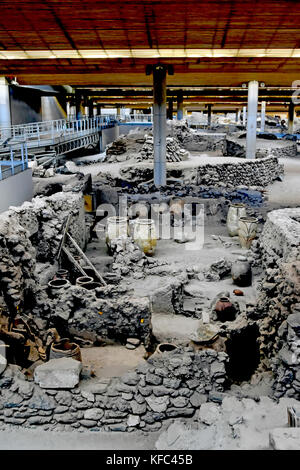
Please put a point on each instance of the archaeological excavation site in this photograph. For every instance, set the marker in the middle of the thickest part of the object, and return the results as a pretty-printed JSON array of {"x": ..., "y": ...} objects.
[{"x": 150, "y": 229}]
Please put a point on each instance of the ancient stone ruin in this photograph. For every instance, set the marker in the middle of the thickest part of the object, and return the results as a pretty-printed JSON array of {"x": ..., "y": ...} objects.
[{"x": 127, "y": 307}]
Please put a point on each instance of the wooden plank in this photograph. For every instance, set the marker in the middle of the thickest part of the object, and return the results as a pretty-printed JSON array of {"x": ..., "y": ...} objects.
[
  {"x": 73, "y": 260},
  {"x": 86, "y": 259},
  {"x": 64, "y": 235}
]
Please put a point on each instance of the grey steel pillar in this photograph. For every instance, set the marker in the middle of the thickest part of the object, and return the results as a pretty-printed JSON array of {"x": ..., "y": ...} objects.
[
  {"x": 291, "y": 115},
  {"x": 159, "y": 124},
  {"x": 237, "y": 115},
  {"x": 180, "y": 105},
  {"x": 244, "y": 115},
  {"x": 91, "y": 108},
  {"x": 263, "y": 116},
  {"x": 5, "y": 115},
  {"x": 252, "y": 119},
  {"x": 209, "y": 106},
  {"x": 78, "y": 106},
  {"x": 170, "y": 109}
]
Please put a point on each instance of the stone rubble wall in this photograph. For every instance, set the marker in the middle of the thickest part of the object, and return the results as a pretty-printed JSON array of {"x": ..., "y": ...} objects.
[
  {"x": 279, "y": 299},
  {"x": 107, "y": 312},
  {"x": 167, "y": 386},
  {"x": 276, "y": 148},
  {"x": 203, "y": 142},
  {"x": 32, "y": 232},
  {"x": 263, "y": 172}
]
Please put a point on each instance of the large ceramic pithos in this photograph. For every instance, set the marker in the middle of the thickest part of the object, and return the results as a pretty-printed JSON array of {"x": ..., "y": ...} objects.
[
  {"x": 144, "y": 235},
  {"x": 116, "y": 227},
  {"x": 235, "y": 211},
  {"x": 247, "y": 231}
]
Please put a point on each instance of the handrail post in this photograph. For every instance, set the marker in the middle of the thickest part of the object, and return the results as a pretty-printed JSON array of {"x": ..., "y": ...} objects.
[
  {"x": 12, "y": 161},
  {"x": 22, "y": 156}
]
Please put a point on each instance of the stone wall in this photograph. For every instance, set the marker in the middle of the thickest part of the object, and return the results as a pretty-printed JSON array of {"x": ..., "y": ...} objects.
[
  {"x": 264, "y": 148},
  {"x": 278, "y": 309},
  {"x": 33, "y": 232},
  {"x": 263, "y": 172},
  {"x": 106, "y": 312},
  {"x": 230, "y": 174},
  {"x": 168, "y": 385},
  {"x": 204, "y": 141}
]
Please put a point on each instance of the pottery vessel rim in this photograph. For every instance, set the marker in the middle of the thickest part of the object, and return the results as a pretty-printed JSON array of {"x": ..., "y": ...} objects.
[{"x": 248, "y": 219}]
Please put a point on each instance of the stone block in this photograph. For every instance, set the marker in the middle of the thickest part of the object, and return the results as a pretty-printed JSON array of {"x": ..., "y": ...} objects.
[{"x": 58, "y": 373}]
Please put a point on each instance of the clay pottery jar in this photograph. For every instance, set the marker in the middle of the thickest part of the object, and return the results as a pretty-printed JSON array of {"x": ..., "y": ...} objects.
[
  {"x": 165, "y": 347},
  {"x": 144, "y": 235},
  {"x": 82, "y": 281},
  {"x": 225, "y": 310},
  {"x": 235, "y": 211},
  {"x": 62, "y": 274},
  {"x": 247, "y": 231},
  {"x": 64, "y": 348},
  {"x": 116, "y": 227},
  {"x": 56, "y": 285},
  {"x": 241, "y": 272}
]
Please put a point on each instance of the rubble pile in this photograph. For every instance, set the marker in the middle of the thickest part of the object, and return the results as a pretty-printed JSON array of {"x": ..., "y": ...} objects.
[
  {"x": 174, "y": 153},
  {"x": 169, "y": 385},
  {"x": 125, "y": 147},
  {"x": 196, "y": 140},
  {"x": 129, "y": 259}
]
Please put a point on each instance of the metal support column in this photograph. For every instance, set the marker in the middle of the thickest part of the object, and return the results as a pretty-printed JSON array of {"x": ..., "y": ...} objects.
[
  {"x": 244, "y": 115},
  {"x": 262, "y": 116},
  {"x": 291, "y": 115},
  {"x": 209, "y": 106},
  {"x": 159, "y": 124},
  {"x": 252, "y": 119},
  {"x": 180, "y": 105},
  {"x": 170, "y": 109}
]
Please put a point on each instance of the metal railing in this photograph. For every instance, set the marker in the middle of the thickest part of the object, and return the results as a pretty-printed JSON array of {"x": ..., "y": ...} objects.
[
  {"x": 139, "y": 118},
  {"x": 50, "y": 132}
]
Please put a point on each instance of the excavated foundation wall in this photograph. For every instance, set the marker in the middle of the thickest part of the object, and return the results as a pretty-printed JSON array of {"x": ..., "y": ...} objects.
[
  {"x": 32, "y": 232},
  {"x": 262, "y": 171},
  {"x": 264, "y": 148},
  {"x": 278, "y": 310},
  {"x": 108, "y": 312},
  {"x": 169, "y": 385}
]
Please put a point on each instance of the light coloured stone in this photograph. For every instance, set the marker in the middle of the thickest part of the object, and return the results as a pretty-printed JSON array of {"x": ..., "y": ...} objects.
[
  {"x": 3, "y": 363},
  {"x": 133, "y": 420},
  {"x": 285, "y": 439},
  {"x": 58, "y": 373},
  {"x": 209, "y": 413},
  {"x": 158, "y": 404}
]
